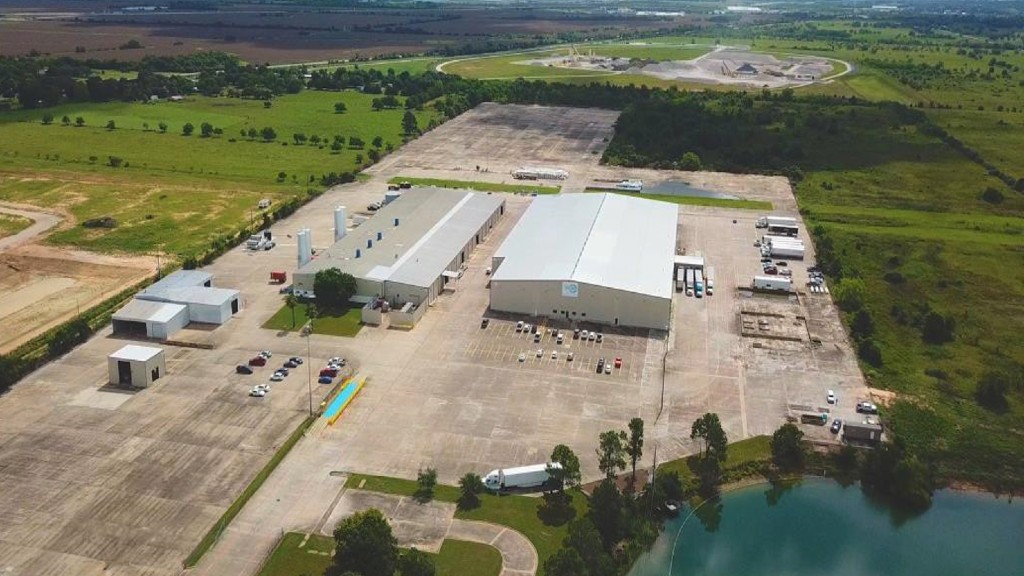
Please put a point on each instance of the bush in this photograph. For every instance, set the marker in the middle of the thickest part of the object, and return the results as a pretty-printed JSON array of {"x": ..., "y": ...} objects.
[
  {"x": 992, "y": 389},
  {"x": 937, "y": 328},
  {"x": 426, "y": 480},
  {"x": 992, "y": 196},
  {"x": 849, "y": 293},
  {"x": 870, "y": 352}
]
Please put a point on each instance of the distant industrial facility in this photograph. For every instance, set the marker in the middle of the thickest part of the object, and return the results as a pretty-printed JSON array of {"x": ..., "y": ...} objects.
[
  {"x": 174, "y": 302},
  {"x": 410, "y": 249},
  {"x": 603, "y": 258}
]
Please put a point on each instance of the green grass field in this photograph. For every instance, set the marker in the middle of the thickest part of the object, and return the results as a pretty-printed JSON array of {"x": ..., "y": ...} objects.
[
  {"x": 456, "y": 558},
  {"x": 477, "y": 185},
  {"x": 11, "y": 224},
  {"x": 347, "y": 324},
  {"x": 516, "y": 512},
  {"x": 739, "y": 454},
  {"x": 693, "y": 200}
]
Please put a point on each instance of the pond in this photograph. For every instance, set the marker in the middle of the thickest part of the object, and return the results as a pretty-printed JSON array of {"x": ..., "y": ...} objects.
[
  {"x": 819, "y": 527},
  {"x": 680, "y": 188}
]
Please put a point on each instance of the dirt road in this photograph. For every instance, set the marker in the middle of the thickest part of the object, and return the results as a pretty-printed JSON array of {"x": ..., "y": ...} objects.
[{"x": 41, "y": 223}]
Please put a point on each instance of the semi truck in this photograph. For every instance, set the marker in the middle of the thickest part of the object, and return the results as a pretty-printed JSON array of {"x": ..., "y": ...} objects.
[
  {"x": 689, "y": 282},
  {"x": 262, "y": 241},
  {"x": 698, "y": 283},
  {"x": 709, "y": 280},
  {"x": 521, "y": 477},
  {"x": 680, "y": 279},
  {"x": 773, "y": 283},
  {"x": 783, "y": 221},
  {"x": 779, "y": 250},
  {"x": 819, "y": 419},
  {"x": 630, "y": 185}
]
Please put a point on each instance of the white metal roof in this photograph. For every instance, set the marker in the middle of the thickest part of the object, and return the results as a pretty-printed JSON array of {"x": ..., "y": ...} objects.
[
  {"x": 434, "y": 225},
  {"x": 191, "y": 295},
  {"x": 148, "y": 311},
  {"x": 610, "y": 240},
  {"x": 136, "y": 353}
]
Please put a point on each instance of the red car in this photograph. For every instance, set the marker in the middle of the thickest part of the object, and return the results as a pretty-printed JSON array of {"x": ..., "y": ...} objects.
[
  {"x": 329, "y": 372},
  {"x": 618, "y": 362},
  {"x": 258, "y": 361}
]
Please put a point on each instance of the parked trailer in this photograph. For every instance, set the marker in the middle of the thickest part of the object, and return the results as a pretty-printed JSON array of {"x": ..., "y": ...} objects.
[
  {"x": 680, "y": 279},
  {"x": 784, "y": 251},
  {"x": 520, "y": 477},
  {"x": 536, "y": 173},
  {"x": 630, "y": 185},
  {"x": 698, "y": 283},
  {"x": 814, "y": 418},
  {"x": 279, "y": 276},
  {"x": 766, "y": 221},
  {"x": 689, "y": 282},
  {"x": 773, "y": 283},
  {"x": 783, "y": 229},
  {"x": 709, "y": 280},
  {"x": 771, "y": 239}
]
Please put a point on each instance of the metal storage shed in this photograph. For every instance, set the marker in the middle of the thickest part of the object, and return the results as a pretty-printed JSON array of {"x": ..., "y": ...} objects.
[{"x": 137, "y": 366}]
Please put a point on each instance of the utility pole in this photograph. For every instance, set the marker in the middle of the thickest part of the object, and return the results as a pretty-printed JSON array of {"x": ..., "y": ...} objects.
[{"x": 307, "y": 331}]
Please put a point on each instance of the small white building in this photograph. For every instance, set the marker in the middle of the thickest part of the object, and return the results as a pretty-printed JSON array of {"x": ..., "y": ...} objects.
[
  {"x": 137, "y": 366},
  {"x": 172, "y": 303}
]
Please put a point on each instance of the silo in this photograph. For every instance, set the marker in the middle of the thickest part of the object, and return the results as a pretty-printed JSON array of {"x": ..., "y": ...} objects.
[{"x": 339, "y": 223}]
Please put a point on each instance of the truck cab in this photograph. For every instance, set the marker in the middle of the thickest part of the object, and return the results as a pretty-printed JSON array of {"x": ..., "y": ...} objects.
[{"x": 494, "y": 480}]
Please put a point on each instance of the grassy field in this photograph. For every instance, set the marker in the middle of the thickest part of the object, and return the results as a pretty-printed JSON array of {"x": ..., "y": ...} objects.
[
  {"x": 694, "y": 200},
  {"x": 517, "y": 512},
  {"x": 456, "y": 558},
  {"x": 11, "y": 224},
  {"x": 476, "y": 185},
  {"x": 163, "y": 177},
  {"x": 739, "y": 454},
  {"x": 347, "y": 324}
]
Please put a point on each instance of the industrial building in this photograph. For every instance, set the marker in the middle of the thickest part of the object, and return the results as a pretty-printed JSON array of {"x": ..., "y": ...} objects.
[
  {"x": 603, "y": 258},
  {"x": 137, "y": 366},
  {"x": 175, "y": 301},
  {"x": 410, "y": 249}
]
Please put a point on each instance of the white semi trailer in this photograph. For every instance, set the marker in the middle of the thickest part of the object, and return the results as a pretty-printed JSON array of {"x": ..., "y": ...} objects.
[
  {"x": 689, "y": 281},
  {"x": 773, "y": 283},
  {"x": 779, "y": 250},
  {"x": 520, "y": 477},
  {"x": 709, "y": 280}
]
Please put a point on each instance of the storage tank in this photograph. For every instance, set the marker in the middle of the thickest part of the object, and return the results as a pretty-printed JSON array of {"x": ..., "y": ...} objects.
[
  {"x": 304, "y": 247},
  {"x": 339, "y": 223}
]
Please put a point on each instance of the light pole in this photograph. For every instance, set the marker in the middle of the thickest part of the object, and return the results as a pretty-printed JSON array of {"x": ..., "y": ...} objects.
[{"x": 307, "y": 331}]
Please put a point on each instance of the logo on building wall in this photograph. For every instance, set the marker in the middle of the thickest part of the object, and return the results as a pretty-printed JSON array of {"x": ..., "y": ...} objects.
[{"x": 570, "y": 289}]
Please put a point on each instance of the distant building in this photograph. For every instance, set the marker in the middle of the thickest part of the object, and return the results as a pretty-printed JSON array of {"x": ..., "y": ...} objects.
[
  {"x": 137, "y": 366},
  {"x": 746, "y": 69},
  {"x": 175, "y": 301},
  {"x": 862, "y": 432}
]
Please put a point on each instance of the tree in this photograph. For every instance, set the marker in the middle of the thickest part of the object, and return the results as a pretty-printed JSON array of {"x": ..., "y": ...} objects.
[
  {"x": 111, "y": 125},
  {"x": 690, "y": 161},
  {"x": 47, "y": 119},
  {"x": 187, "y": 129},
  {"x": 891, "y": 472},
  {"x": 79, "y": 121},
  {"x": 268, "y": 134},
  {"x": 992, "y": 389},
  {"x": 416, "y": 563},
  {"x": 359, "y": 159},
  {"x": 606, "y": 511},
  {"x": 378, "y": 142},
  {"x": 611, "y": 453},
  {"x": 708, "y": 428},
  {"x": 364, "y": 544},
  {"x": 206, "y": 129},
  {"x": 314, "y": 139},
  {"x": 569, "y": 475},
  {"x": 565, "y": 562},
  {"x": 115, "y": 161},
  {"x": 992, "y": 196},
  {"x": 584, "y": 538},
  {"x": 291, "y": 301},
  {"x": 163, "y": 127},
  {"x": 863, "y": 324},
  {"x": 333, "y": 288},
  {"x": 340, "y": 108},
  {"x": 635, "y": 446},
  {"x": 787, "y": 450},
  {"x": 252, "y": 133},
  {"x": 299, "y": 138},
  {"x": 65, "y": 120},
  {"x": 409, "y": 125},
  {"x": 426, "y": 481},
  {"x": 849, "y": 293},
  {"x": 336, "y": 146},
  {"x": 470, "y": 487},
  {"x": 937, "y": 329}
]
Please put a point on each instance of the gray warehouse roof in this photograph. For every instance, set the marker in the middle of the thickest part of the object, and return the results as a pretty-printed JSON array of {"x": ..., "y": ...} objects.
[
  {"x": 611, "y": 240},
  {"x": 137, "y": 353},
  {"x": 434, "y": 225},
  {"x": 148, "y": 311},
  {"x": 187, "y": 287}
]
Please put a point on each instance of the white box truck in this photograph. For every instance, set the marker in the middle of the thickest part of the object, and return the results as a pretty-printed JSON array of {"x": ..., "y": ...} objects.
[
  {"x": 773, "y": 283},
  {"x": 520, "y": 477},
  {"x": 710, "y": 281},
  {"x": 680, "y": 279},
  {"x": 689, "y": 281}
]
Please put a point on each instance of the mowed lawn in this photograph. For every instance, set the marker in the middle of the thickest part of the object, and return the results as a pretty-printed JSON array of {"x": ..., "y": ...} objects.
[
  {"x": 345, "y": 324},
  {"x": 456, "y": 558},
  {"x": 26, "y": 141}
]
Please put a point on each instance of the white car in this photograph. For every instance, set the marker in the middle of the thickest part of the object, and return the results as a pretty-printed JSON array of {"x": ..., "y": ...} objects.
[
  {"x": 337, "y": 360},
  {"x": 831, "y": 397},
  {"x": 554, "y": 354},
  {"x": 522, "y": 357},
  {"x": 540, "y": 353},
  {"x": 257, "y": 393},
  {"x": 607, "y": 367},
  {"x": 584, "y": 335},
  {"x": 592, "y": 336},
  {"x": 265, "y": 353}
]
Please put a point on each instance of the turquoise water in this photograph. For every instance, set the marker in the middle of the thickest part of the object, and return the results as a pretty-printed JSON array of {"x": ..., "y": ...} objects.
[
  {"x": 679, "y": 188},
  {"x": 340, "y": 399},
  {"x": 821, "y": 528}
]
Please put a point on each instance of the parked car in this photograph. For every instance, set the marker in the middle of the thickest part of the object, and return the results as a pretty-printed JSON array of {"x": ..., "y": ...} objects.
[
  {"x": 837, "y": 424},
  {"x": 568, "y": 357},
  {"x": 325, "y": 380},
  {"x": 536, "y": 338},
  {"x": 522, "y": 357},
  {"x": 373, "y": 207},
  {"x": 867, "y": 408},
  {"x": 281, "y": 371},
  {"x": 782, "y": 263},
  {"x": 276, "y": 377},
  {"x": 576, "y": 334},
  {"x": 592, "y": 337},
  {"x": 266, "y": 354},
  {"x": 243, "y": 369},
  {"x": 560, "y": 339},
  {"x": 295, "y": 359},
  {"x": 257, "y": 392},
  {"x": 257, "y": 361},
  {"x": 584, "y": 335},
  {"x": 554, "y": 354},
  {"x": 600, "y": 365},
  {"x": 540, "y": 353},
  {"x": 618, "y": 362},
  {"x": 519, "y": 326},
  {"x": 830, "y": 397},
  {"x": 329, "y": 372},
  {"x": 290, "y": 364},
  {"x": 608, "y": 368},
  {"x": 485, "y": 322},
  {"x": 600, "y": 337},
  {"x": 337, "y": 360}
]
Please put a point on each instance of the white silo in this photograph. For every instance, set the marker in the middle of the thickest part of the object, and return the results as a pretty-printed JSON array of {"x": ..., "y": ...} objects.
[
  {"x": 303, "y": 247},
  {"x": 339, "y": 223}
]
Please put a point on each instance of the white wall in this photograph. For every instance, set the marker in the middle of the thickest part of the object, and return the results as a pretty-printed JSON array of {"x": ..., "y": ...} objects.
[
  {"x": 597, "y": 304},
  {"x": 164, "y": 330},
  {"x": 141, "y": 371}
]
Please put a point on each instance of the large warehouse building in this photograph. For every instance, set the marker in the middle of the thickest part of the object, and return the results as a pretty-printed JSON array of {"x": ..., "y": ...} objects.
[
  {"x": 602, "y": 258},
  {"x": 410, "y": 249},
  {"x": 174, "y": 302}
]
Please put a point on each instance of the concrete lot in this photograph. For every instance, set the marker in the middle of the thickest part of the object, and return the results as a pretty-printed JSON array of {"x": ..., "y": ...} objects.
[{"x": 97, "y": 481}]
